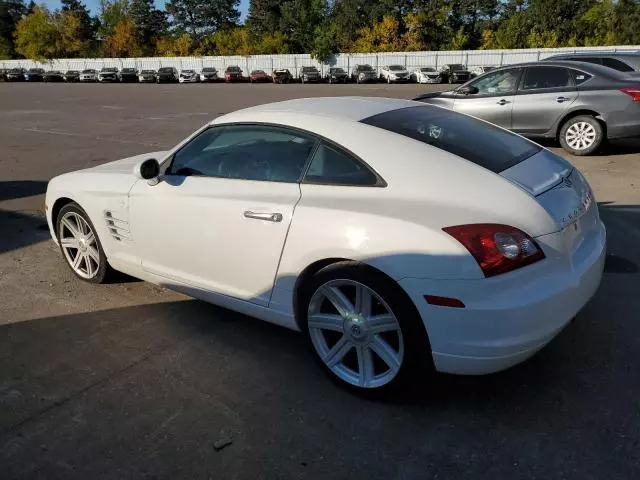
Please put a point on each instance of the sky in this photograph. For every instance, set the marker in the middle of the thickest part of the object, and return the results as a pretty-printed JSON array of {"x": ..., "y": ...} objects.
[{"x": 94, "y": 5}]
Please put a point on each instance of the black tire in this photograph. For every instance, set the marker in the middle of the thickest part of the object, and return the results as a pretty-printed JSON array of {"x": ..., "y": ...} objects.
[
  {"x": 417, "y": 360},
  {"x": 104, "y": 271},
  {"x": 575, "y": 121}
]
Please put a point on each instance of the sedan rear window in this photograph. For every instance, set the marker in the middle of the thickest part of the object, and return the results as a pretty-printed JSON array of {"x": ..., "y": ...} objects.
[{"x": 474, "y": 140}]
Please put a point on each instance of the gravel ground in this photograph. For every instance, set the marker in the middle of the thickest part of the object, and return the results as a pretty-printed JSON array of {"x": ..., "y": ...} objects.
[{"x": 129, "y": 380}]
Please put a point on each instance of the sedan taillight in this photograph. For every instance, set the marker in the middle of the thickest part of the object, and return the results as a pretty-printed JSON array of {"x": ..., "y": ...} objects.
[
  {"x": 632, "y": 92},
  {"x": 497, "y": 248}
]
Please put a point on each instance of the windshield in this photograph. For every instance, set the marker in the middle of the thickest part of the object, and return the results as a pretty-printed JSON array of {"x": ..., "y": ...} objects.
[
  {"x": 110, "y": 69},
  {"x": 233, "y": 69},
  {"x": 54, "y": 72},
  {"x": 16, "y": 70},
  {"x": 72, "y": 71},
  {"x": 148, "y": 71},
  {"x": 258, "y": 72},
  {"x": 428, "y": 69},
  {"x": 208, "y": 69},
  {"x": 365, "y": 68},
  {"x": 474, "y": 140},
  {"x": 456, "y": 66},
  {"x": 396, "y": 68},
  {"x": 188, "y": 71},
  {"x": 128, "y": 70},
  {"x": 166, "y": 70},
  {"x": 309, "y": 69},
  {"x": 88, "y": 71},
  {"x": 36, "y": 70},
  {"x": 336, "y": 70}
]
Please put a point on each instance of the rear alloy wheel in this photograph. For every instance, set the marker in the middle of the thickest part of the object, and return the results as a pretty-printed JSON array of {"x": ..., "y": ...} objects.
[
  {"x": 581, "y": 135},
  {"x": 361, "y": 329},
  {"x": 80, "y": 245}
]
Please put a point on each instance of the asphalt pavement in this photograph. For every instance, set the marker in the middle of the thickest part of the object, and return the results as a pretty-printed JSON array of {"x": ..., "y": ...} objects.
[{"x": 129, "y": 380}]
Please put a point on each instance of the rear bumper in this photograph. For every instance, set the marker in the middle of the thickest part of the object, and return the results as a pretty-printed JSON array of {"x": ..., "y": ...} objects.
[{"x": 507, "y": 318}]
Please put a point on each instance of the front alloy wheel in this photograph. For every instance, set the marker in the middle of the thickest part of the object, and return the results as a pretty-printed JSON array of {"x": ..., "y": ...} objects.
[
  {"x": 355, "y": 333},
  {"x": 80, "y": 245}
]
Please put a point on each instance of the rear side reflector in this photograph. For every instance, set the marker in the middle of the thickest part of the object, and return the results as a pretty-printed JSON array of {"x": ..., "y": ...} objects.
[
  {"x": 633, "y": 93},
  {"x": 444, "y": 301}
]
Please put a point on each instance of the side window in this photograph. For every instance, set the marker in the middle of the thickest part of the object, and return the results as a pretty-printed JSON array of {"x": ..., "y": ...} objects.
[
  {"x": 546, "y": 77},
  {"x": 333, "y": 166},
  {"x": 580, "y": 77},
  {"x": 616, "y": 64},
  {"x": 498, "y": 83},
  {"x": 246, "y": 152}
]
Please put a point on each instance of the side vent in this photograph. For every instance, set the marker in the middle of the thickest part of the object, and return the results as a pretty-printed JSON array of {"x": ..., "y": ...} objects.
[{"x": 119, "y": 229}]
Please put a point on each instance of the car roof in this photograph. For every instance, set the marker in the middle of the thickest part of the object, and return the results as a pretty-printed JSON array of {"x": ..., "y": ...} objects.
[
  {"x": 344, "y": 108},
  {"x": 586, "y": 66}
]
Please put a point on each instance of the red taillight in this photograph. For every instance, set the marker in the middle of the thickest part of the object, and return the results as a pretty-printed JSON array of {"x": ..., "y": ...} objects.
[
  {"x": 497, "y": 248},
  {"x": 633, "y": 93}
]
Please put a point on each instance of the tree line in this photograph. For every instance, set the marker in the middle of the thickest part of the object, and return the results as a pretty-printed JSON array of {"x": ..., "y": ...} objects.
[{"x": 133, "y": 28}]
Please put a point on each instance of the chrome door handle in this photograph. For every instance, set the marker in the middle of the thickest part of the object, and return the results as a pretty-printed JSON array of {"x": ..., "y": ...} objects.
[
  {"x": 562, "y": 99},
  {"x": 502, "y": 102},
  {"x": 269, "y": 217}
]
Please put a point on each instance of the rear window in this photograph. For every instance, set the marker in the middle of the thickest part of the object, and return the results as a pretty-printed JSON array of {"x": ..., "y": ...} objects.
[{"x": 474, "y": 140}]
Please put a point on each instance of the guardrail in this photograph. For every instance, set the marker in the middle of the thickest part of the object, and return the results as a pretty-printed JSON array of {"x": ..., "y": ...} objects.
[{"x": 295, "y": 62}]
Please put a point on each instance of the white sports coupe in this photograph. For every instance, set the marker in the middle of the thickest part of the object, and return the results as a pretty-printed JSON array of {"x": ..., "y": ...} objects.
[{"x": 395, "y": 235}]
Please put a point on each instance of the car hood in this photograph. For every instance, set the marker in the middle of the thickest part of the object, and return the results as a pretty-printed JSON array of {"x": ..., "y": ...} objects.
[{"x": 126, "y": 164}]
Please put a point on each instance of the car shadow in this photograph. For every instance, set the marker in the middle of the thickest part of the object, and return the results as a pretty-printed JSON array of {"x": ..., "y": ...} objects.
[
  {"x": 18, "y": 230},
  {"x": 11, "y": 189}
]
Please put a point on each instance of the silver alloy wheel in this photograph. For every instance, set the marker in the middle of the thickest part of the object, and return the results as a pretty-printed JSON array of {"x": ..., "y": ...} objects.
[
  {"x": 580, "y": 135},
  {"x": 367, "y": 348},
  {"x": 79, "y": 245}
]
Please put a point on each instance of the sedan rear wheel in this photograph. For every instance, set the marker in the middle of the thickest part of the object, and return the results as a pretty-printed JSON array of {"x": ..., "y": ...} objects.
[
  {"x": 581, "y": 135},
  {"x": 80, "y": 245},
  {"x": 363, "y": 328}
]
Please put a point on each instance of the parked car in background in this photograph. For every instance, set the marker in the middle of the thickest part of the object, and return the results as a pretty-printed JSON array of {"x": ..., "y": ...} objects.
[
  {"x": 129, "y": 75},
  {"x": 581, "y": 104},
  {"x": 53, "y": 76},
  {"x": 34, "y": 75},
  {"x": 395, "y": 74},
  {"x": 282, "y": 75},
  {"x": 89, "y": 75},
  {"x": 209, "y": 74},
  {"x": 189, "y": 76},
  {"x": 479, "y": 70},
  {"x": 398, "y": 238},
  {"x": 167, "y": 75},
  {"x": 108, "y": 74},
  {"x": 259, "y": 76},
  {"x": 310, "y": 75},
  {"x": 337, "y": 75},
  {"x": 426, "y": 75},
  {"x": 72, "y": 76},
  {"x": 15, "y": 75},
  {"x": 233, "y": 74},
  {"x": 621, "y": 61},
  {"x": 454, "y": 73},
  {"x": 147, "y": 76},
  {"x": 363, "y": 74}
]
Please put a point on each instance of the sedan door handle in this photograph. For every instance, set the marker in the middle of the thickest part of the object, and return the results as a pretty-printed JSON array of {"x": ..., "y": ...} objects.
[
  {"x": 562, "y": 99},
  {"x": 269, "y": 217},
  {"x": 502, "y": 102}
]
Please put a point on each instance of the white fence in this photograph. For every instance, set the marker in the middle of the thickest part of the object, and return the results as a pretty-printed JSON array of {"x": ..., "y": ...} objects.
[{"x": 268, "y": 63}]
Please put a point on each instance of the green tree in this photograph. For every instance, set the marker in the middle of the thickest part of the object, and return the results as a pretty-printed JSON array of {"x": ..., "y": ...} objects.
[
  {"x": 150, "y": 23},
  {"x": 180, "y": 46},
  {"x": 88, "y": 24},
  {"x": 299, "y": 21},
  {"x": 43, "y": 35},
  {"x": 11, "y": 11},
  {"x": 112, "y": 13},
  {"x": 325, "y": 41},
  {"x": 264, "y": 16},
  {"x": 203, "y": 17},
  {"x": 380, "y": 37},
  {"x": 627, "y": 22}
]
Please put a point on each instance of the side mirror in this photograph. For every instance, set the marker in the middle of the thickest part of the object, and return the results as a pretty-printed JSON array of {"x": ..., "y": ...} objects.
[
  {"x": 468, "y": 90},
  {"x": 147, "y": 169}
]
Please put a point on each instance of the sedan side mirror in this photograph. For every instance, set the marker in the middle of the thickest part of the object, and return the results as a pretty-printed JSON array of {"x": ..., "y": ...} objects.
[
  {"x": 468, "y": 90},
  {"x": 147, "y": 169}
]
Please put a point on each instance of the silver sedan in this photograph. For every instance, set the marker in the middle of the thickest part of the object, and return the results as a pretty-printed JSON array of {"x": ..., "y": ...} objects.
[{"x": 579, "y": 104}]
